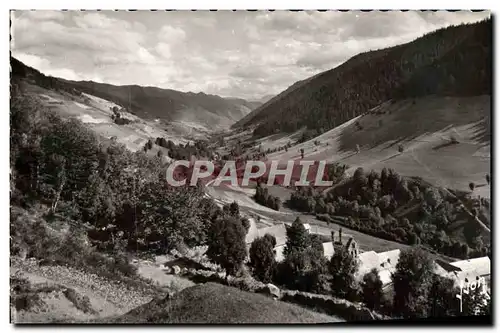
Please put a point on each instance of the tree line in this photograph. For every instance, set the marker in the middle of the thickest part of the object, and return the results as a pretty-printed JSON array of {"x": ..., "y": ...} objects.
[{"x": 396, "y": 208}]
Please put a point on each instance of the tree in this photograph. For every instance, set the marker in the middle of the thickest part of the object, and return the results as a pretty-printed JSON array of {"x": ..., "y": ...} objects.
[
  {"x": 412, "y": 279},
  {"x": 488, "y": 178},
  {"x": 234, "y": 209},
  {"x": 432, "y": 197},
  {"x": 372, "y": 289},
  {"x": 226, "y": 244},
  {"x": 413, "y": 239},
  {"x": 476, "y": 302},
  {"x": 472, "y": 186},
  {"x": 343, "y": 267},
  {"x": 271, "y": 239},
  {"x": 442, "y": 297},
  {"x": 304, "y": 270},
  {"x": 297, "y": 238},
  {"x": 262, "y": 258}
]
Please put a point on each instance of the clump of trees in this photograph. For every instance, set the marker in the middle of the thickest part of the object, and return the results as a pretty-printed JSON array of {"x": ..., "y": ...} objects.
[
  {"x": 119, "y": 196},
  {"x": 396, "y": 208},
  {"x": 263, "y": 197},
  {"x": 304, "y": 266}
]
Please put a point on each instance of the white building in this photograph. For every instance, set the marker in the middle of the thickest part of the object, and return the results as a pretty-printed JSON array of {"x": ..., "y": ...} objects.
[
  {"x": 465, "y": 271},
  {"x": 384, "y": 262}
]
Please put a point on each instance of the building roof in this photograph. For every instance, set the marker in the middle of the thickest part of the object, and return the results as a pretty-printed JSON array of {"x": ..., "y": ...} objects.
[
  {"x": 386, "y": 276},
  {"x": 252, "y": 231},
  {"x": 367, "y": 261},
  {"x": 442, "y": 267},
  {"x": 464, "y": 271},
  {"x": 384, "y": 262},
  {"x": 480, "y": 266},
  {"x": 389, "y": 259},
  {"x": 278, "y": 231},
  {"x": 328, "y": 250},
  {"x": 278, "y": 250}
]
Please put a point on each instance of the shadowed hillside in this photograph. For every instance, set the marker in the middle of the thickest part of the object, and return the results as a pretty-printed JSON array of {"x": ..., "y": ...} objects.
[
  {"x": 454, "y": 61},
  {"x": 149, "y": 102}
]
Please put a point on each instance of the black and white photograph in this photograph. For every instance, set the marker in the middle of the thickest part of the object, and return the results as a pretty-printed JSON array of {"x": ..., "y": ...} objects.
[{"x": 250, "y": 167}]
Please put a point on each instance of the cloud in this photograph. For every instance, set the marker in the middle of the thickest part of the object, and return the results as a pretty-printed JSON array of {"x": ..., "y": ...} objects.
[
  {"x": 41, "y": 15},
  {"x": 171, "y": 34},
  {"x": 239, "y": 54}
]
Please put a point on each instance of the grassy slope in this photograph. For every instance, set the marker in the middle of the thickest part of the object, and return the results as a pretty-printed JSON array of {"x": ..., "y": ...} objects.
[
  {"x": 95, "y": 114},
  {"x": 189, "y": 109},
  {"x": 152, "y": 102},
  {"x": 425, "y": 138},
  {"x": 217, "y": 304}
]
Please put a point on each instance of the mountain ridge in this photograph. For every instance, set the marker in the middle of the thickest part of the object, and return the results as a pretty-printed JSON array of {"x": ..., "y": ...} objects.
[
  {"x": 368, "y": 79},
  {"x": 151, "y": 102}
]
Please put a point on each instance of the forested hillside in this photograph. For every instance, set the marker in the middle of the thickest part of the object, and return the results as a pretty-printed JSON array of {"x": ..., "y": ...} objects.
[{"x": 452, "y": 61}]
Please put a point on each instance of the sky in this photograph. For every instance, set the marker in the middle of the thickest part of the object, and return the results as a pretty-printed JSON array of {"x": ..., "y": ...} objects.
[{"x": 232, "y": 54}]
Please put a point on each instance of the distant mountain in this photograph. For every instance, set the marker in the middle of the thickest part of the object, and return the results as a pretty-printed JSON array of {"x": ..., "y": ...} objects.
[
  {"x": 264, "y": 99},
  {"x": 453, "y": 61},
  {"x": 152, "y": 102}
]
